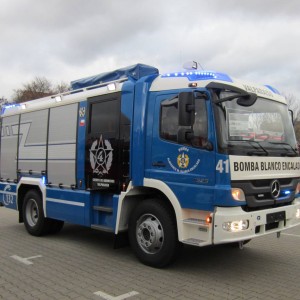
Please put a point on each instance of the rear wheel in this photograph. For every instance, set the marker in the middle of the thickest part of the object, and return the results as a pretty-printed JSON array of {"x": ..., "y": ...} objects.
[
  {"x": 33, "y": 215},
  {"x": 153, "y": 233}
]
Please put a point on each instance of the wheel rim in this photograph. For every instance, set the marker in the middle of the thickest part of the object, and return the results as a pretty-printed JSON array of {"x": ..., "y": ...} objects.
[
  {"x": 32, "y": 213},
  {"x": 149, "y": 234}
]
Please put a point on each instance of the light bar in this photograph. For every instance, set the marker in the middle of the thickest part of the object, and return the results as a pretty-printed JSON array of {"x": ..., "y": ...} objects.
[
  {"x": 275, "y": 91},
  {"x": 12, "y": 106},
  {"x": 199, "y": 75}
]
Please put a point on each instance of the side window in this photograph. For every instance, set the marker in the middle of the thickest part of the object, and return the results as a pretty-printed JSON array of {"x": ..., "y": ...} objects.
[
  {"x": 101, "y": 119},
  {"x": 200, "y": 125},
  {"x": 169, "y": 127},
  {"x": 169, "y": 120}
]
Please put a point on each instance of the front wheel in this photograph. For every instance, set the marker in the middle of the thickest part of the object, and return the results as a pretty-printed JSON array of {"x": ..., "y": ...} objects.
[{"x": 153, "y": 233}]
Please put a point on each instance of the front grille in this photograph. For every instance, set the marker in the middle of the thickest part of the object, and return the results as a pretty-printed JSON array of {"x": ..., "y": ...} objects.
[{"x": 258, "y": 192}]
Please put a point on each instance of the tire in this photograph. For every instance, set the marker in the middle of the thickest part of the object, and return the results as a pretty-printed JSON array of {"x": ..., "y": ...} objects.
[
  {"x": 153, "y": 233},
  {"x": 33, "y": 215}
]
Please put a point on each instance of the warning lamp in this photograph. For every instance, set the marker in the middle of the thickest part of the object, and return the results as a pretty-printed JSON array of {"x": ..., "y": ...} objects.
[{"x": 208, "y": 219}]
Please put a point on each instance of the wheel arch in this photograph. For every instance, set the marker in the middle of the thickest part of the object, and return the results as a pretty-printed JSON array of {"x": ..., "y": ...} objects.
[
  {"x": 152, "y": 189},
  {"x": 25, "y": 185}
]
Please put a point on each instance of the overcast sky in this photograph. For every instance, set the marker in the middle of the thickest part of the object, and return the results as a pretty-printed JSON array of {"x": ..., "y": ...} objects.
[{"x": 64, "y": 40}]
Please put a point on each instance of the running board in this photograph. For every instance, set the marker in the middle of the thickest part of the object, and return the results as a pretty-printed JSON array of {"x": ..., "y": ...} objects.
[
  {"x": 103, "y": 208},
  {"x": 102, "y": 228}
]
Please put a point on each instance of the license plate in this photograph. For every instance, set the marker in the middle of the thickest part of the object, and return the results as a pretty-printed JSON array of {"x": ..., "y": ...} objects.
[{"x": 276, "y": 217}]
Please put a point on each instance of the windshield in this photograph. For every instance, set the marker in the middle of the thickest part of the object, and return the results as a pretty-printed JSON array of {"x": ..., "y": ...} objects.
[{"x": 264, "y": 128}]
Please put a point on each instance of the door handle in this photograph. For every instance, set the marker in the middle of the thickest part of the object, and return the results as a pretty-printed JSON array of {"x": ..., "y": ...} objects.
[{"x": 159, "y": 164}]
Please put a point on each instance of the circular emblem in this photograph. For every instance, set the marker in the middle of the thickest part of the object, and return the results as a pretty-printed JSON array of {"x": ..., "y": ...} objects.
[
  {"x": 183, "y": 160},
  {"x": 275, "y": 189}
]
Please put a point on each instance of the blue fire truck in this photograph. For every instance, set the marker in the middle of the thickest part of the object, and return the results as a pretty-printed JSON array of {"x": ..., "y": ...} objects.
[{"x": 191, "y": 157}]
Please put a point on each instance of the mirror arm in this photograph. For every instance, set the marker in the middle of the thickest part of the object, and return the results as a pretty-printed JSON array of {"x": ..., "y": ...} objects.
[
  {"x": 190, "y": 108},
  {"x": 230, "y": 98}
]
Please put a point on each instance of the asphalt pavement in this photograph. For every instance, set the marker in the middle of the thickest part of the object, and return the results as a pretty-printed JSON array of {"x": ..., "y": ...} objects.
[{"x": 80, "y": 263}]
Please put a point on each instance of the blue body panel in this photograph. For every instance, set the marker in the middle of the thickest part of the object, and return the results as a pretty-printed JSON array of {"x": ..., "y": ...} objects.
[
  {"x": 138, "y": 143},
  {"x": 77, "y": 207},
  {"x": 8, "y": 195},
  {"x": 81, "y": 137},
  {"x": 68, "y": 205}
]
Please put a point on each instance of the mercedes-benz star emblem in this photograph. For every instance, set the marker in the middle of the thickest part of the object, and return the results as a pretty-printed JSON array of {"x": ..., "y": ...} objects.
[{"x": 275, "y": 189}]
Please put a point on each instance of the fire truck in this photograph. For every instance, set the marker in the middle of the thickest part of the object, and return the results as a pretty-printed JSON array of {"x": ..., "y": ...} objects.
[{"x": 166, "y": 159}]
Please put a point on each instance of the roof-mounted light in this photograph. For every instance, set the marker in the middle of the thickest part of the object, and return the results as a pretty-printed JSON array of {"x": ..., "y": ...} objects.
[
  {"x": 199, "y": 75},
  {"x": 111, "y": 87},
  {"x": 58, "y": 99}
]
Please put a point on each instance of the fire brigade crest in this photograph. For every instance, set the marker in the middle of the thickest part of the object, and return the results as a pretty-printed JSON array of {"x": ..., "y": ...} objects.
[
  {"x": 101, "y": 156},
  {"x": 183, "y": 162}
]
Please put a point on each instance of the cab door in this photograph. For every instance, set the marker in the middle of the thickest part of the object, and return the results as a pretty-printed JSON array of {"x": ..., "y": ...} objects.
[{"x": 183, "y": 155}]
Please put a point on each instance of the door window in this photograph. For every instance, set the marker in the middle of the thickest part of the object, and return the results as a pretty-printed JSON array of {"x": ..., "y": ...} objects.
[{"x": 169, "y": 128}]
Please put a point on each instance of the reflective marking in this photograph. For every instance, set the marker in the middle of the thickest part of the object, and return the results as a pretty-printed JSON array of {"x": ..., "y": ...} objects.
[
  {"x": 25, "y": 261},
  {"x": 121, "y": 297},
  {"x": 65, "y": 202},
  {"x": 8, "y": 193},
  {"x": 290, "y": 234}
]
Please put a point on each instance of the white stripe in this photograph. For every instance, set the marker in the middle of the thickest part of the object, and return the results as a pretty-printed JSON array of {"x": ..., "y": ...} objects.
[
  {"x": 24, "y": 260},
  {"x": 65, "y": 202},
  {"x": 8, "y": 193},
  {"x": 296, "y": 235},
  {"x": 121, "y": 297}
]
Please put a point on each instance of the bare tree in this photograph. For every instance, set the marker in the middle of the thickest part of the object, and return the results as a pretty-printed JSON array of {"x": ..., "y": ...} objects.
[
  {"x": 39, "y": 87},
  {"x": 294, "y": 105},
  {"x": 3, "y": 101}
]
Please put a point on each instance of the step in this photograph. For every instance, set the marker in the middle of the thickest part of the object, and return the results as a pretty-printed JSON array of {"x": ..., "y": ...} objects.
[
  {"x": 102, "y": 228},
  {"x": 194, "y": 242},
  {"x": 103, "y": 208},
  {"x": 196, "y": 222}
]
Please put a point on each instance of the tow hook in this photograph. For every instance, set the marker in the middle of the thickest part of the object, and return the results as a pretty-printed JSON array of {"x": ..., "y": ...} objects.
[
  {"x": 241, "y": 245},
  {"x": 278, "y": 234}
]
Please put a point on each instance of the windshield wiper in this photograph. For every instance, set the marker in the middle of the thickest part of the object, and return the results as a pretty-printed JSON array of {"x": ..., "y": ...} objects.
[
  {"x": 264, "y": 152},
  {"x": 258, "y": 151},
  {"x": 288, "y": 153}
]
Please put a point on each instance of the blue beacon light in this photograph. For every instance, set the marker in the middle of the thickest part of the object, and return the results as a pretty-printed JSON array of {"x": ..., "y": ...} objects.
[{"x": 199, "y": 75}]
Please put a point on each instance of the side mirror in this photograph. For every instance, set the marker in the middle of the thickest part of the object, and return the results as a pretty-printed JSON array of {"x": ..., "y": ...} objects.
[
  {"x": 248, "y": 100},
  {"x": 186, "y": 109}
]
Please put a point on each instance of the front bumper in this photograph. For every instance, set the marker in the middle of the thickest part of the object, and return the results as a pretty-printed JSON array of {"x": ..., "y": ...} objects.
[{"x": 258, "y": 224}]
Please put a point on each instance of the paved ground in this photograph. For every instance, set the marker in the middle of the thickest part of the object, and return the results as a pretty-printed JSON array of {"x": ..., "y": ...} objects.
[{"x": 79, "y": 262}]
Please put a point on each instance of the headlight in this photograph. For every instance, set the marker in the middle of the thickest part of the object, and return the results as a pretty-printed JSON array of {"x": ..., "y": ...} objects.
[
  {"x": 236, "y": 226},
  {"x": 238, "y": 194}
]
